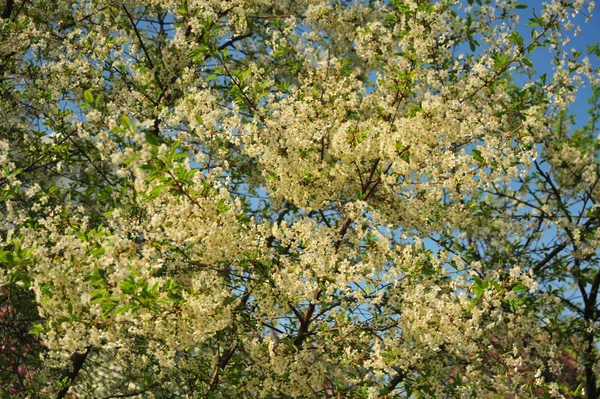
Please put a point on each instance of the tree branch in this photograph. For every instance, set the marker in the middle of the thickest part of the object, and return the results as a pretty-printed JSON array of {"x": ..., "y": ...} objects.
[
  {"x": 134, "y": 26},
  {"x": 223, "y": 361},
  {"x": 235, "y": 39},
  {"x": 8, "y": 6},
  {"x": 537, "y": 268},
  {"x": 393, "y": 383},
  {"x": 78, "y": 359}
]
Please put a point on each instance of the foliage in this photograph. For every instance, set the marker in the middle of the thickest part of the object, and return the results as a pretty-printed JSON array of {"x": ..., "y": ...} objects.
[{"x": 307, "y": 198}]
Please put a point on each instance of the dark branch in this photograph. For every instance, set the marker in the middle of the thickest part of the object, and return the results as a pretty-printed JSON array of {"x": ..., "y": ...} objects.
[
  {"x": 235, "y": 39},
  {"x": 540, "y": 265},
  {"x": 223, "y": 361},
  {"x": 8, "y": 7},
  {"x": 77, "y": 359},
  {"x": 134, "y": 26},
  {"x": 394, "y": 382}
]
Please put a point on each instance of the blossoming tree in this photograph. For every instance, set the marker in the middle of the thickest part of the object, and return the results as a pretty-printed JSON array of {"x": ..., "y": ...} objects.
[{"x": 308, "y": 198}]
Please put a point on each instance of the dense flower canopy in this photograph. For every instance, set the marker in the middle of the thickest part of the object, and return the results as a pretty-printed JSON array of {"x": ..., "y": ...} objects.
[{"x": 297, "y": 199}]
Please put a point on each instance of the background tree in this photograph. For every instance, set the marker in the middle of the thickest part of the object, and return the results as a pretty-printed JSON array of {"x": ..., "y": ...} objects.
[{"x": 296, "y": 199}]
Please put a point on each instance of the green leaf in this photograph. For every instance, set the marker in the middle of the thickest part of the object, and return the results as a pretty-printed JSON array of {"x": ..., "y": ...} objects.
[
  {"x": 179, "y": 155},
  {"x": 123, "y": 309},
  {"x": 520, "y": 288},
  {"x": 279, "y": 53},
  {"x": 46, "y": 289},
  {"x": 477, "y": 156},
  {"x": 98, "y": 251},
  {"x": 157, "y": 190},
  {"x": 125, "y": 122},
  {"x": 479, "y": 287},
  {"x": 36, "y": 330},
  {"x": 531, "y": 47},
  {"x": 152, "y": 139},
  {"x": 527, "y": 62},
  {"x": 516, "y": 38},
  {"x": 307, "y": 177},
  {"x": 88, "y": 97},
  {"x": 222, "y": 206}
]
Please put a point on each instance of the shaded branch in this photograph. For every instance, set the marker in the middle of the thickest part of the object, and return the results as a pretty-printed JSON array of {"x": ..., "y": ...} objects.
[
  {"x": 223, "y": 361},
  {"x": 398, "y": 378},
  {"x": 235, "y": 39},
  {"x": 8, "y": 7},
  {"x": 540, "y": 265},
  {"x": 78, "y": 360},
  {"x": 137, "y": 34}
]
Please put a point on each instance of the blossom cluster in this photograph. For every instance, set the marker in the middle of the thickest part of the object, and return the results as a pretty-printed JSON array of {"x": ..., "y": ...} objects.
[{"x": 210, "y": 198}]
